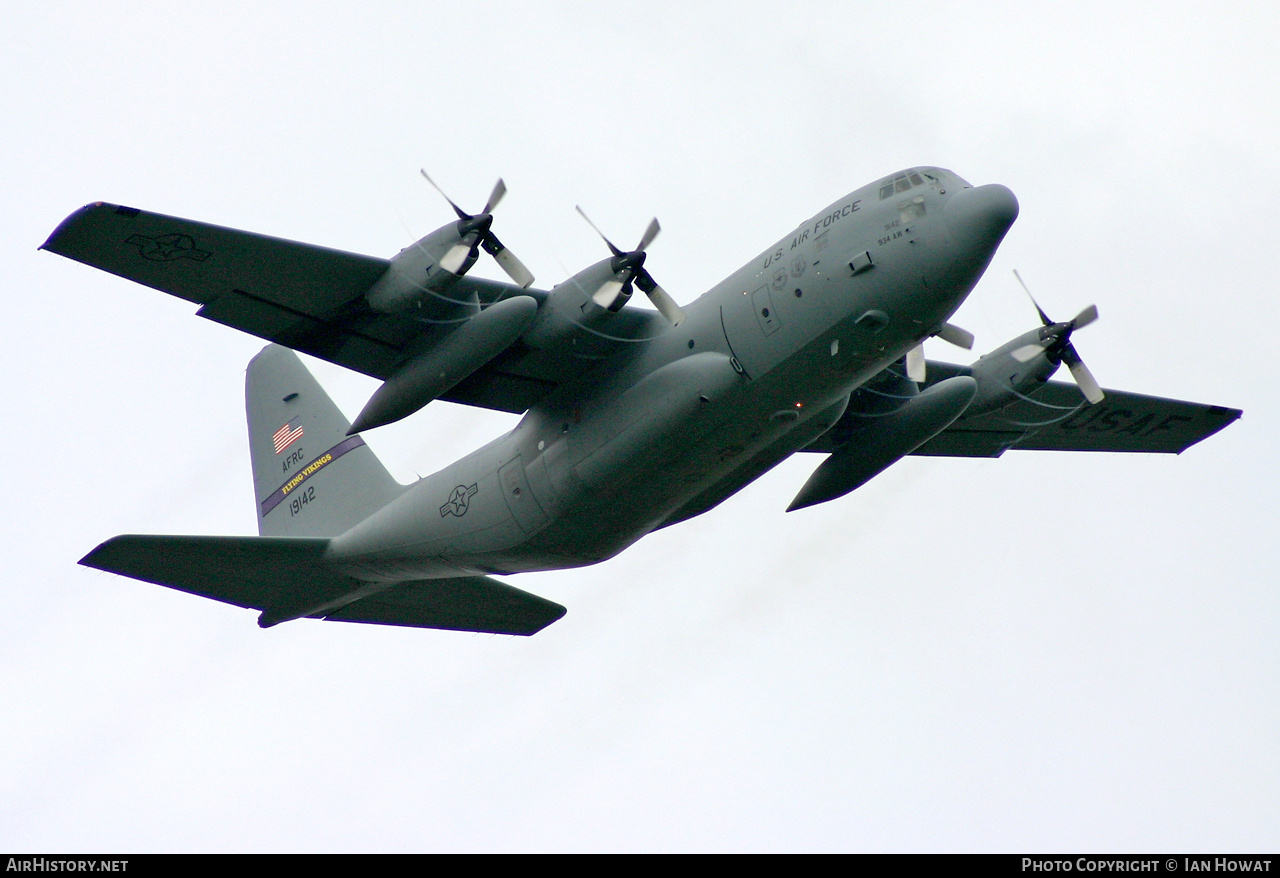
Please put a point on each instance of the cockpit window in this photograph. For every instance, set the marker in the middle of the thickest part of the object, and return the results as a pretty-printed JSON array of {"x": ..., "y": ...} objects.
[
  {"x": 907, "y": 180},
  {"x": 900, "y": 183}
]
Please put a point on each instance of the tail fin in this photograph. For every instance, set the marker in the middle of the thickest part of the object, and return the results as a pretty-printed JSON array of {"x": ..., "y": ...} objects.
[
  {"x": 309, "y": 477},
  {"x": 300, "y": 449}
]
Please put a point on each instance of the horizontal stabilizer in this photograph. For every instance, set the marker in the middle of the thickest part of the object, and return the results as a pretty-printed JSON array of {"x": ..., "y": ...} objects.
[
  {"x": 284, "y": 577},
  {"x": 467, "y": 603},
  {"x": 250, "y": 572}
]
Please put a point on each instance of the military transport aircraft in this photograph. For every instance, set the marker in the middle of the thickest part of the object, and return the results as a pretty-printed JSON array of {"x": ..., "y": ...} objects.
[{"x": 633, "y": 419}]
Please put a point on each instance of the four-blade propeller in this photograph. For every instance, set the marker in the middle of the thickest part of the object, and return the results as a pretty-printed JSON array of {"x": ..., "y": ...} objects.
[
  {"x": 628, "y": 267},
  {"x": 475, "y": 230},
  {"x": 1055, "y": 344}
]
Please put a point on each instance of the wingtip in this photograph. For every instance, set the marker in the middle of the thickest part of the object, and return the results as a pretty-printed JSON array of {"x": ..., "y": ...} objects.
[{"x": 95, "y": 558}]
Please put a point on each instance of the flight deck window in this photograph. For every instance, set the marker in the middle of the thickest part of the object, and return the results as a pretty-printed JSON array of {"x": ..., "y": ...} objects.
[{"x": 900, "y": 183}]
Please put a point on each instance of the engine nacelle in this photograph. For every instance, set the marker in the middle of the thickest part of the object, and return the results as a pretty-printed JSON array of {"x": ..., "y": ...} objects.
[
  {"x": 570, "y": 311},
  {"x": 1003, "y": 379},
  {"x": 420, "y": 275}
]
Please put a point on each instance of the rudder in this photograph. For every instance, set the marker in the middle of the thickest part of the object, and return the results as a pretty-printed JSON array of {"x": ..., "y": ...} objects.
[{"x": 310, "y": 479}]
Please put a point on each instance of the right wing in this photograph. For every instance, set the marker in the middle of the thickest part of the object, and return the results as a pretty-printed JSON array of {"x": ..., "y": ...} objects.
[{"x": 312, "y": 299}]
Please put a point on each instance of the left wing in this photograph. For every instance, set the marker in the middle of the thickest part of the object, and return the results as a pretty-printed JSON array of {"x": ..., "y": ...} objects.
[
  {"x": 1056, "y": 417},
  {"x": 312, "y": 299}
]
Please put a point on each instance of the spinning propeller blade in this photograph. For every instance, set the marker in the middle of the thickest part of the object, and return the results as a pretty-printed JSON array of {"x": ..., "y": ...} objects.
[
  {"x": 961, "y": 338},
  {"x": 628, "y": 266},
  {"x": 948, "y": 332},
  {"x": 1055, "y": 343},
  {"x": 476, "y": 231},
  {"x": 915, "y": 364}
]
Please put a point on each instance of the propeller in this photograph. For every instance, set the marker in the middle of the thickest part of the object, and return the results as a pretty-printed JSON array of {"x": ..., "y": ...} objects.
[
  {"x": 1055, "y": 344},
  {"x": 628, "y": 266},
  {"x": 475, "y": 230},
  {"x": 948, "y": 332}
]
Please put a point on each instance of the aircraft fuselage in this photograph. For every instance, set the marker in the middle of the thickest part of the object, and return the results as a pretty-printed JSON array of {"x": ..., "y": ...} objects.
[{"x": 763, "y": 364}]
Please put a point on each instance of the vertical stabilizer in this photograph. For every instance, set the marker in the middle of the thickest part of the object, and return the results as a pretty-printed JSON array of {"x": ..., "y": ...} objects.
[{"x": 310, "y": 478}]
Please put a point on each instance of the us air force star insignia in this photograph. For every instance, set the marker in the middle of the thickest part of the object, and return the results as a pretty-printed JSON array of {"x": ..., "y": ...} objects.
[
  {"x": 167, "y": 247},
  {"x": 458, "y": 501}
]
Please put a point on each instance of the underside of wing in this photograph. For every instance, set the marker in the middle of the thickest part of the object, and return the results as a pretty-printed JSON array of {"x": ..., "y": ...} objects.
[
  {"x": 313, "y": 299},
  {"x": 302, "y": 296},
  {"x": 271, "y": 573},
  {"x": 1056, "y": 418}
]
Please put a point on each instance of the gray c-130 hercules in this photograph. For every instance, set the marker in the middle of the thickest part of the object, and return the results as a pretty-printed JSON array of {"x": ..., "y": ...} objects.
[{"x": 633, "y": 419}]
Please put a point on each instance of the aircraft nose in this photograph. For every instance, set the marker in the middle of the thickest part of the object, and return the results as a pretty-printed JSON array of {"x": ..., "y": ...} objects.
[{"x": 980, "y": 217}]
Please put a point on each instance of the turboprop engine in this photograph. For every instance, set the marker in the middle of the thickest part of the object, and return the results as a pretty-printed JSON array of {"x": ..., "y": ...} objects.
[
  {"x": 1020, "y": 366},
  {"x": 422, "y": 274},
  {"x": 586, "y": 301},
  {"x": 421, "y": 277}
]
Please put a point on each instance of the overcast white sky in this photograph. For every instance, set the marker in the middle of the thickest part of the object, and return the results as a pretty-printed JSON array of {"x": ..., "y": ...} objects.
[{"x": 1042, "y": 652}]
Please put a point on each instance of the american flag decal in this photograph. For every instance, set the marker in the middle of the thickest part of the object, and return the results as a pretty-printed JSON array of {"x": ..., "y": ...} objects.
[{"x": 287, "y": 435}]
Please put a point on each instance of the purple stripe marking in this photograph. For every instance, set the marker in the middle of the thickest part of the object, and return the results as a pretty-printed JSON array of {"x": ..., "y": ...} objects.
[{"x": 310, "y": 470}]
